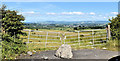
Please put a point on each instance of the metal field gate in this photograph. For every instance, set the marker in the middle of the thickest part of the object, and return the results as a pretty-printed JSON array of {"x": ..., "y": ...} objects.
[{"x": 85, "y": 38}]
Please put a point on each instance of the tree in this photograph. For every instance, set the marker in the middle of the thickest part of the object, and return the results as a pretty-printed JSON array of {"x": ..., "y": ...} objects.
[
  {"x": 75, "y": 28},
  {"x": 11, "y": 29},
  {"x": 11, "y": 22},
  {"x": 115, "y": 27}
]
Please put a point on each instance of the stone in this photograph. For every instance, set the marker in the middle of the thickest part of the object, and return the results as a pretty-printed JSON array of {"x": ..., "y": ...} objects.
[
  {"x": 64, "y": 51},
  {"x": 29, "y": 53},
  {"x": 34, "y": 51},
  {"x": 104, "y": 48},
  {"x": 45, "y": 58}
]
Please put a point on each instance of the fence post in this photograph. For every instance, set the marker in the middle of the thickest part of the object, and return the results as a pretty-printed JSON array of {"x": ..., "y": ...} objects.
[
  {"x": 28, "y": 35},
  {"x": 93, "y": 37},
  {"x": 109, "y": 34},
  {"x": 46, "y": 40},
  {"x": 78, "y": 38}
]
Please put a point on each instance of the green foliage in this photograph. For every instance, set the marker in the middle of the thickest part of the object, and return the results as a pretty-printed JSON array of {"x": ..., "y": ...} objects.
[
  {"x": 11, "y": 48},
  {"x": 11, "y": 30},
  {"x": 11, "y": 22},
  {"x": 115, "y": 27}
]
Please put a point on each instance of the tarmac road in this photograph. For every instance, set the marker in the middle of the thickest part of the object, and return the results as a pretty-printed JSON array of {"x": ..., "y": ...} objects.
[{"x": 77, "y": 54}]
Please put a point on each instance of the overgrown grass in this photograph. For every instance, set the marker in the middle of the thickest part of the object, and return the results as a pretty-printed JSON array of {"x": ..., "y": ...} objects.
[{"x": 113, "y": 45}]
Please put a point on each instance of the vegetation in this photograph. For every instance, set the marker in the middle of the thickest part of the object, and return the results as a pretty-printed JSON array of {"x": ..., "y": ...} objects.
[
  {"x": 115, "y": 32},
  {"x": 113, "y": 45},
  {"x": 11, "y": 29},
  {"x": 115, "y": 27},
  {"x": 89, "y": 27}
]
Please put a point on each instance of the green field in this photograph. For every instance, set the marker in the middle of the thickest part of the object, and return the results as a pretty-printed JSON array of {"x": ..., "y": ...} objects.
[{"x": 85, "y": 39}]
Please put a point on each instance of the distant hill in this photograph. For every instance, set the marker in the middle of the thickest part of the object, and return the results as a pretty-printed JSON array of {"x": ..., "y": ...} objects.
[{"x": 71, "y": 22}]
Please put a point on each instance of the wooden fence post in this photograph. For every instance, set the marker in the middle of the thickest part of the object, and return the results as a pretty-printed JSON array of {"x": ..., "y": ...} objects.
[
  {"x": 109, "y": 33},
  {"x": 106, "y": 33}
]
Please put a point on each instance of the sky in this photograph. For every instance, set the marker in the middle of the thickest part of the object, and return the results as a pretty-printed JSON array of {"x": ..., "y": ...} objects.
[
  {"x": 64, "y": 11},
  {"x": 60, "y": 0}
]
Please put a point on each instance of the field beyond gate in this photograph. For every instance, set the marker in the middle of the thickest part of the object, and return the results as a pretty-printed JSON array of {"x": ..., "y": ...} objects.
[{"x": 47, "y": 40}]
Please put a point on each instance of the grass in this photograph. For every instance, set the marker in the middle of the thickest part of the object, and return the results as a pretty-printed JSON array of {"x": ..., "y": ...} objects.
[
  {"x": 113, "y": 45},
  {"x": 0, "y": 52},
  {"x": 84, "y": 40}
]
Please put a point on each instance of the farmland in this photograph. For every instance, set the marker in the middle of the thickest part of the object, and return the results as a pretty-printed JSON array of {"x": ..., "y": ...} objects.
[{"x": 37, "y": 40}]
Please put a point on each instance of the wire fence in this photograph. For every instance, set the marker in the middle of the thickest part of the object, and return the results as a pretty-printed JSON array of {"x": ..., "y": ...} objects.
[{"x": 44, "y": 39}]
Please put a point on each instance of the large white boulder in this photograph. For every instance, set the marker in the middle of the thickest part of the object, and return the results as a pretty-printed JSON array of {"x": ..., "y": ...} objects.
[
  {"x": 64, "y": 51},
  {"x": 29, "y": 53}
]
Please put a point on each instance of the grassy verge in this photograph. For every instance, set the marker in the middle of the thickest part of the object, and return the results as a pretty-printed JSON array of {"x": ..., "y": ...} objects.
[{"x": 113, "y": 45}]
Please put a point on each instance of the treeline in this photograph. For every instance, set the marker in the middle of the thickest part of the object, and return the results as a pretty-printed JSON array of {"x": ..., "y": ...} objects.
[
  {"x": 45, "y": 26},
  {"x": 90, "y": 27},
  {"x": 63, "y": 26}
]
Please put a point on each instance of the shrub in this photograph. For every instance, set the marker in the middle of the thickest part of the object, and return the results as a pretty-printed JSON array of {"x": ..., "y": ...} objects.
[
  {"x": 11, "y": 48},
  {"x": 115, "y": 27},
  {"x": 11, "y": 31}
]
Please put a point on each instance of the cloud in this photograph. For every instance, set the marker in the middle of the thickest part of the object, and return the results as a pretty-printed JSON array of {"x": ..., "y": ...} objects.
[
  {"x": 64, "y": 16},
  {"x": 66, "y": 13},
  {"x": 77, "y": 13},
  {"x": 30, "y": 12},
  {"x": 104, "y": 17},
  {"x": 51, "y": 13},
  {"x": 114, "y": 13},
  {"x": 92, "y": 13}
]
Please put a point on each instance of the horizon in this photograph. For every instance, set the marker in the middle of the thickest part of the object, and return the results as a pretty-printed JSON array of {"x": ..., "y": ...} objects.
[
  {"x": 70, "y": 22},
  {"x": 64, "y": 11}
]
